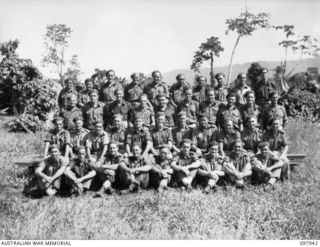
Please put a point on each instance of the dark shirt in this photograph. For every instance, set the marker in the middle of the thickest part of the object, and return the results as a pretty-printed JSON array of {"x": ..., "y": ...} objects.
[
  {"x": 141, "y": 136},
  {"x": 176, "y": 92},
  {"x": 229, "y": 113},
  {"x": 62, "y": 139},
  {"x": 115, "y": 107},
  {"x": 179, "y": 134},
  {"x": 81, "y": 168},
  {"x": 107, "y": 92},
  {"x": 91, "y": 114},
  {"x": 133, "y": 91},
  {"x": 69, "y": 115},
  {"x": 251, "y": 139},
  {"x": 262, "y": 92},
  {"x": 169, "y": 111},
  {"x": 63, "y": 96},
  {"x": 211, "y": 110},
  {"x": 160, "y": 137},
  {"x": 191, "y": 108},
  {"x": 152, "y": 90}
]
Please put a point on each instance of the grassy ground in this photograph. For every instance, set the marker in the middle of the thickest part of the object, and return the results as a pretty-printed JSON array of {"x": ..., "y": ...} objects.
[{"x": 290, "y": 212}]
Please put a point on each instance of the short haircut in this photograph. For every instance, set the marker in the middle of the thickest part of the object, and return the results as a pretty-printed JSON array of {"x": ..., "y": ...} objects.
[
  {"x": 94, "y": 91},
  {"x": 218, "y": 74},
  {"x": 154, "y": 72},
  {"x": 88, "y": 80}
]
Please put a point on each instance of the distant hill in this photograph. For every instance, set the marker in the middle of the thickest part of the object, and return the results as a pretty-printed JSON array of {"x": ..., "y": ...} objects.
[{"x": 169, "y": 76}]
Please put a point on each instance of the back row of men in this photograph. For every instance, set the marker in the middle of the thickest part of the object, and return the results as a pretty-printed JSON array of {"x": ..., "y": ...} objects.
[{"x": 141, "y": 122}]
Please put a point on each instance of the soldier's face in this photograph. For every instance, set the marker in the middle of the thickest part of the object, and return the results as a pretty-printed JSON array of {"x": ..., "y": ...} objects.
[
  {"x": 135, "y": 78},
  {"x": 181, "y": 79},
  {"x": 214, "y": 150},
  {"x": 143, "y": 101},
  {"x": 113, "y": 149},
  {"x": 117, "y": 123},
  {"x": 136, "y": 151},
  {"x": 264, "y": 151},
  {"x": 275, "y": 98},
  {"x": 250, "y": 98},
  {"x": 110, "y": 76},
  {"x": 160, "y": 121},
  {"x": 186, "y": 148},
  {"x": 68, "y": 84},
  {"x": 156, "y": 77},
  {"x": 203, "y": 122},
  {"x": 252, "y": 123},
  {"x": 264, "y": 74},
  {"x": 162, "y": 101},
  {"x": 276, "y": 126},
  {"x": 164, "y": 153},
  {"x": 78, "y": 124},
  {"x": 229, "y": 126},
  {"x": 210, "y": 96},
  {"x": 138, "y": 123},
  {"x": 89, "y": 85},
  {"x": 182, "y": 120},
  {"x": 220, "y": 79},
  {"x": 93, "y": 97},
  {"x": 55, "y": 153},
  {"x": 59, "y": 125},
  {"x": 242, "y": 79},
  {"x": 81, "y": 154},
  {"x": 188, "y": 94},
  {"x": 193, "y": 156},
  {"x": 98, "y": 128},
  {"x": 231, "y": 100},
  {"x": 237, "y": 148},
  {"x": 73, "y": 101},
  {"x": 119, "y": 95},
  {"x": 202, "y": 81}
]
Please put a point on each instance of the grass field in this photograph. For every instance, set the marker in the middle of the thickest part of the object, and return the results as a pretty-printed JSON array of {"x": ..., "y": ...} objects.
[{"x": 292, "y": 211}]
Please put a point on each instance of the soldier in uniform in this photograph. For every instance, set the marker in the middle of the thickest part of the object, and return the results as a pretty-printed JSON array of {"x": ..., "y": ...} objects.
[
  {"x": 210, "y": 107},
  {"x": 190, "y": 106},
  {"x": 50, "y": 171},
  {"x": 201, "y": 135},
  {"x": 264, "y": 88},
  {"x": 251, "y": 136},
  {"x": 107, "y": 90},
  {"x": 167, "y": 108},
  {"x": 70, "y": 112},
  {"x": 80, "y": 172},
  {"x": 211, "y": 169},
  {"x": 229, "y": 111},
  {"x": 58, "y": 135},
  {"x": 161, "y": 135},
  {"x": 266, "y": 168},
  {"x": 199, "y": 92},
  {"x": 65, "y": 92},
  {"x": 119, "y": 106},
  {"x": 84, "y": 95},
  {"x": 138, "y": 134},
  {"x": 273, "y": 111},
  {"x": 157, "y": 86},
  {"x": 96, "y": 142},
  {"x": 220, "y": 90},
  {"x": 77, "y": 134},
  {"x": 160, "y": 174},
  {"x": 117, "y": 133},
  {"x": 185, "y": 167},
  {"x": 181, "y": 132},
  {"x": 177, "y": 89},
  {"x": 240, "y": 89},
  {"x": 134, "y": 170},
  {"x": 250, "y": 109},
  {"x": 145, "y": 110},
  {"x": 237, "y": 167},
  {"x": 92, "y": 111},
  {"x": 134, "y": 90}
]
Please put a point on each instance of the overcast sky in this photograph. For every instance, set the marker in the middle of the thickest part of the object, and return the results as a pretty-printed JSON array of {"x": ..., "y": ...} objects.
[{"x": 144, "y": 35}]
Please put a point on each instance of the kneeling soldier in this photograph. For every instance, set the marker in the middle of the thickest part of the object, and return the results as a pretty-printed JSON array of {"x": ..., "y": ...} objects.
[
  {"x": 237, "y": 167},
  {"x": 161, "y": 171},
  {"x": 80, "y": 172},
  {"x": 50, "y": 171},
  {"x": 266, "y": 167},
  {"x": 211, "y": 169},
  {"x": 134, "y": 170}
]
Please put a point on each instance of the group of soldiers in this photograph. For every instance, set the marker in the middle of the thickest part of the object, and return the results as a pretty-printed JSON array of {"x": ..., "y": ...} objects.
[{"x": 133, "y": 137}]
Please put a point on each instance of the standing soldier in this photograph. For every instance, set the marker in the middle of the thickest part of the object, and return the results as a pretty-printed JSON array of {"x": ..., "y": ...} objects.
[
  {"x": 177, "y": 89},
  {"x": 181, "y": 132},
  {"x": 80, "y": 172},
  {"x": 50, "y": 170},
  {"x": 264, "y": 88},
  {"x": 145, "y": 110},
  {"x": 220, "y": 90},
  {"x": 273, "y": 111},
  {"x": 199, "y": 92},
  {"x": 92, "y": 111},
  {"x": 96, "y": 142},
  {"x": 167, "y": 108},
  {"x": 240, "y": 89},
  {"x": 229, "y": 111},
  {"x": 84, "y": 95},
  {"x": 250, "y": 109},
  {"x": 155, "y": 87},
  {"x": 119, "y": 106},
  {"x": 251, "y": 136},
  {"x": 59, "y": 136},
  {"x": 107, "y": 90},
  {"x": 190, "y": 106},
  {"x": 238, "y": 168},
  {"x": 65, "y": 92},
  {"x": 134, "y": 90},
  {"x": 77, "y": 135},
  {"x": 210, "y": 107},
  {"x": 70, "y": 112},
  {"x": 117, "y": 133}
]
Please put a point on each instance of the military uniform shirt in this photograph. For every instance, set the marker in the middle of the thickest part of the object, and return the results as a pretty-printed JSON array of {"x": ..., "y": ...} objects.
[
  {"x": 141, "y": 136},
  {"x": 91, "y": 114},
  {"x": 250, "y": 111},
  {"x": 62, "y": 139},
  {"x": 134, "y": 162},
  {"x": 98, "y": 141},
  {"x": 201, "y": 137},
  {"x": 69, "y": 115},
  {"x": 169, "y": 111},
  {"x": 160, "y": 137},
  {"x": 176, "y": 93},
  {"x": 179, "y": 134},
  {"x": 227, "y": 139},
  {"x": 241, "y": 163},
  {"x": 229, "y": 113},
  {"x": 107, "y": 92},
  {"x": 147, "y": 114},
  {"x": 211, "y": 110},
  {"x": 121, "y": 108},
  {"x": 191, "y": 108},
  {"x": 212, "y": 163},
  {"x": 251, "y": 139},
  {"x": 272, "y": 113},
  {"x": 276, "y": 141},
  {"x": 76, "y": 138},
  {"x": 63, "y": 96},
  {"x": 133, "y": 92},
  {"x": 81, "y": 168},
  {"x": 152, "y": 90},
  {"x": 51, "y": 166}
]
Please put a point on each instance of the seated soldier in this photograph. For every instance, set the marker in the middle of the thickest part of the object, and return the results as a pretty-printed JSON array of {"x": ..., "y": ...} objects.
[
  {"x": 145, "y": 109},
  {"x": 96, "y": 142},
  {"x": 161, "y": 135},
  {"x": 138, "y": 134},
  {"x": 237, "y": 167},
  {"x": 58, "y": 136},
  {"x": 250, "y": 109},
  {"x": 278, "y": 145},
  {"x": 70, "y": 112},
  {"x": 211, "y": 169},
  {"x": 190, "y": 106},
  {"x": 265, "y": 167},
  {"x": 134, "y": 171},
  {"x": 160, "y": 174},
  {"x": 182, "y": 131},
  {"x": 107, "y": 169},
  {"x": 167, "y": 108},
  {"x": 117, "y": 133},
  {"x": 202, "y": 134},
  {"x": 50, "y": 170},
  {"x": 77, "y": 134},
  {"x": 251, "y": 136},
  {"x": 185, "y": 166},
  {"x": 80, "y": 172},
  {"x": 210, "y": 106}
]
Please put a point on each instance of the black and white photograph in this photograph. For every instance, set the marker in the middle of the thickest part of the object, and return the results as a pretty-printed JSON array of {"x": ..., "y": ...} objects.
[{"x": 159, "y": 120}]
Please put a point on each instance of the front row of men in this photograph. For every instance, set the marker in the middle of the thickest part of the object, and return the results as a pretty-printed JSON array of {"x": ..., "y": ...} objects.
[{"x": 187, "y": 168}]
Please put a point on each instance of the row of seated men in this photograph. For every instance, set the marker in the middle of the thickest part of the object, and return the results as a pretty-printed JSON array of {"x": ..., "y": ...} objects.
[{"x": 157, "y": 158}]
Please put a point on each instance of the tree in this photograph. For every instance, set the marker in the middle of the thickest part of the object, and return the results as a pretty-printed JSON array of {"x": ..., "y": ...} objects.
[
  {"x": 73, "y": 72},
  {"x": 207, "y": 51},
  {"x": 245, "y": 25},
  {"x": 56, "y": 41}
]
